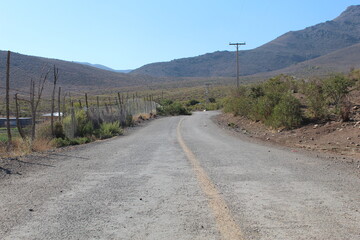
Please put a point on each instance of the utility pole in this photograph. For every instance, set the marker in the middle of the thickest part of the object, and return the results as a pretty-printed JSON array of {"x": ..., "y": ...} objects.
[
  {"x": 207, "y": 85},
  {"x": 237, "y": 61}
]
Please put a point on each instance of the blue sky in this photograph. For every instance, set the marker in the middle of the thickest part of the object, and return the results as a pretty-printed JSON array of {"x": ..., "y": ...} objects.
[{"x": 128, "y": 34}]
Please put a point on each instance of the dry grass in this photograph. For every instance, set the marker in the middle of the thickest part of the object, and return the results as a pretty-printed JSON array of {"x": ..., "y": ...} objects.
[
  {"x": 22, "y": 147},
  {"x": 42, "y": 144},
  {"x": 19, "y": 148}
]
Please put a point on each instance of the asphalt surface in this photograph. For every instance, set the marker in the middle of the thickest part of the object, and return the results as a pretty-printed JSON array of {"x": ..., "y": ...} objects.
[{"x": 181, "y": 178}]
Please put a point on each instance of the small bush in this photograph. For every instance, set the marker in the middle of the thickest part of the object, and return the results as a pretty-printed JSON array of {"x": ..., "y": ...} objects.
[
  {"x": 79, "y": 141},
  {"x": 87, "y": 129},
  {"x": 58, "y": 130},
  {"x": 256, "y": 91},
  {"x": 239, "y": 106},
  {"x": 229, "y": 105},
  {"x": 336, "y": 88},
  {"x": 60, "y": 142},
  {"x": 286, "y": 114},
  {"x": 316, "y": 100},
  {"x": 108, "y": 130},
  {"x": 165, "y": 102},
  {"x": 63, "y": 142},
  {"x": 192, "y": 102},
  {"x": 213, "y": 106},
  {"x": 83, "y": 126},
  {"x": 173, "y": 109},
  {"x": 264, "y": 107},
  {"x": 3, "y": 139},
  {"x": 212, "y": 100},
  {"x": 43, "y": 130},
  {"x": 345, "y": 111}
]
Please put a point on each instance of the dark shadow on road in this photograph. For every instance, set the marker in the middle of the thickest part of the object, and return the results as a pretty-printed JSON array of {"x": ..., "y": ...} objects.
[
  {"x": 67, "y": 155},
  {"x": 31, "y": 163},
  {"x": 8, "y": 171}
]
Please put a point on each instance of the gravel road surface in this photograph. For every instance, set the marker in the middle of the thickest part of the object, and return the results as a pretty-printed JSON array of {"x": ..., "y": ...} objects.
[{"x": 181, "y": 178}]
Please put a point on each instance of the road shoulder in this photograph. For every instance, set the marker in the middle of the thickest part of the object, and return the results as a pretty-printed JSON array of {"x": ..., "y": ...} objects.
[{"x": 294, "y": 140}]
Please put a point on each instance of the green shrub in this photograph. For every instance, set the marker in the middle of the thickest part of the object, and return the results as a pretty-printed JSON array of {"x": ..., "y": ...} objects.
[
  {"x": 108, "y": 130},
  {"x": 160, "y": 111},
  {"x": 256, "y": 91},
  {"x": 87, "y": 129},
  {"x": 174, "y": 108},
  {"x": 83, "y": 126},
  {"x": 264, "y": 107},
  {"x": 165, "y": 102},
  {"x": 79, "y": 141},
  {"x": 3, "y": 139},
  {"x": 271, "y": 102},
  {"x": 63, "y": 142},
  {"x": 192, "y": 102},
  {"x": 213, "y": 106},
  {"x": 242, "y": 106},
  {"x": 228, "y": 104},
  {"x": 336, "y": 88},
  {"x": 212, "y": 100},
  {"x": 178, "y": 109},
  {"x": 286, "y": 113},
  {"x": 316, "y": 100},
  {"x": 58, "y": 130}
]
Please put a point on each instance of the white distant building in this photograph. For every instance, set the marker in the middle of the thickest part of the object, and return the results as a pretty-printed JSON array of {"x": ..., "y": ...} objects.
[{"x": 48, "y": 115}]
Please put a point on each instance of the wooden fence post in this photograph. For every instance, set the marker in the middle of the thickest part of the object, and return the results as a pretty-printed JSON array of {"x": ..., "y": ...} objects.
[
  {"x": 9, "y": 143},
  {"x": 98, "y": 109},
  {"x": 86, "y": 102},
  {"x": 56, "y": 74},
  {"x": 18, "y": 124},
  {"x": 59, "y": 104}
]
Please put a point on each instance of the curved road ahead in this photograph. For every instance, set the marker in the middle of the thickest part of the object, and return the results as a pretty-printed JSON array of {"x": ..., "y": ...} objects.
[{"x": 181, "y": 178}]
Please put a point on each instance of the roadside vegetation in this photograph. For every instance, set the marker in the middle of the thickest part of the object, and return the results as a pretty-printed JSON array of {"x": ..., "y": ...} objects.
[
  {"x": 86, "y": 130},
  {"x": 287, "y": 103}
]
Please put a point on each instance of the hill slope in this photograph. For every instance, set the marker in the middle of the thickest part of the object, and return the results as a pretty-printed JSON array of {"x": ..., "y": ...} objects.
[
  {"x": 73, "y": 75},
  {"x": 286, "y": 50},
  {"x": 104, "y": 67},
  {"x": 341, "y": 60}
]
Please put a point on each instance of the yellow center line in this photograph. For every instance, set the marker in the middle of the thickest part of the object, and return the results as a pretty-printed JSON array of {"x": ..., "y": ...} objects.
[{"x": 224, "y": 221}]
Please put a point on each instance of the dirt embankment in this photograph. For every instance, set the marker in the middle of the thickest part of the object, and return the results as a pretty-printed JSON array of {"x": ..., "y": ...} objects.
[{"x": 340, "y": 138}]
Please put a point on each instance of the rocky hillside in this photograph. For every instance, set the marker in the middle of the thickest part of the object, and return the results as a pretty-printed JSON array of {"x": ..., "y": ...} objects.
[
  {"x": 286, "y": 50},
  {"x": 342, "y": 60}
]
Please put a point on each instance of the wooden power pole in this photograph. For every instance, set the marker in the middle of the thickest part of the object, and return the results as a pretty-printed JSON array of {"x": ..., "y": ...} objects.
[{"x": 237, "y": 61}]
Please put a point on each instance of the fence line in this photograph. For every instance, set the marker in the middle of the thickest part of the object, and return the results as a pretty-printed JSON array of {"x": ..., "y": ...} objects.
[{"x": 123, "y": 112}]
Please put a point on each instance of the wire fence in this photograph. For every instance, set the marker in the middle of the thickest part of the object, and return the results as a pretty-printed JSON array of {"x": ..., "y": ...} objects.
[{"x": 123, "y": 112}]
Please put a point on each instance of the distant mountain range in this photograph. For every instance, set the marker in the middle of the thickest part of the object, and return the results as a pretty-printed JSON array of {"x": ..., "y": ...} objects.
[
  {"x": 104, "y": 67},
  {"x": 323, "y": 48},
  {"x": 291, "y": 48}
]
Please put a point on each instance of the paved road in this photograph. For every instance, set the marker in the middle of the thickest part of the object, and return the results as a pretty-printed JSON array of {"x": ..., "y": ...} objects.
[{"x": 181, "y": 178}]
